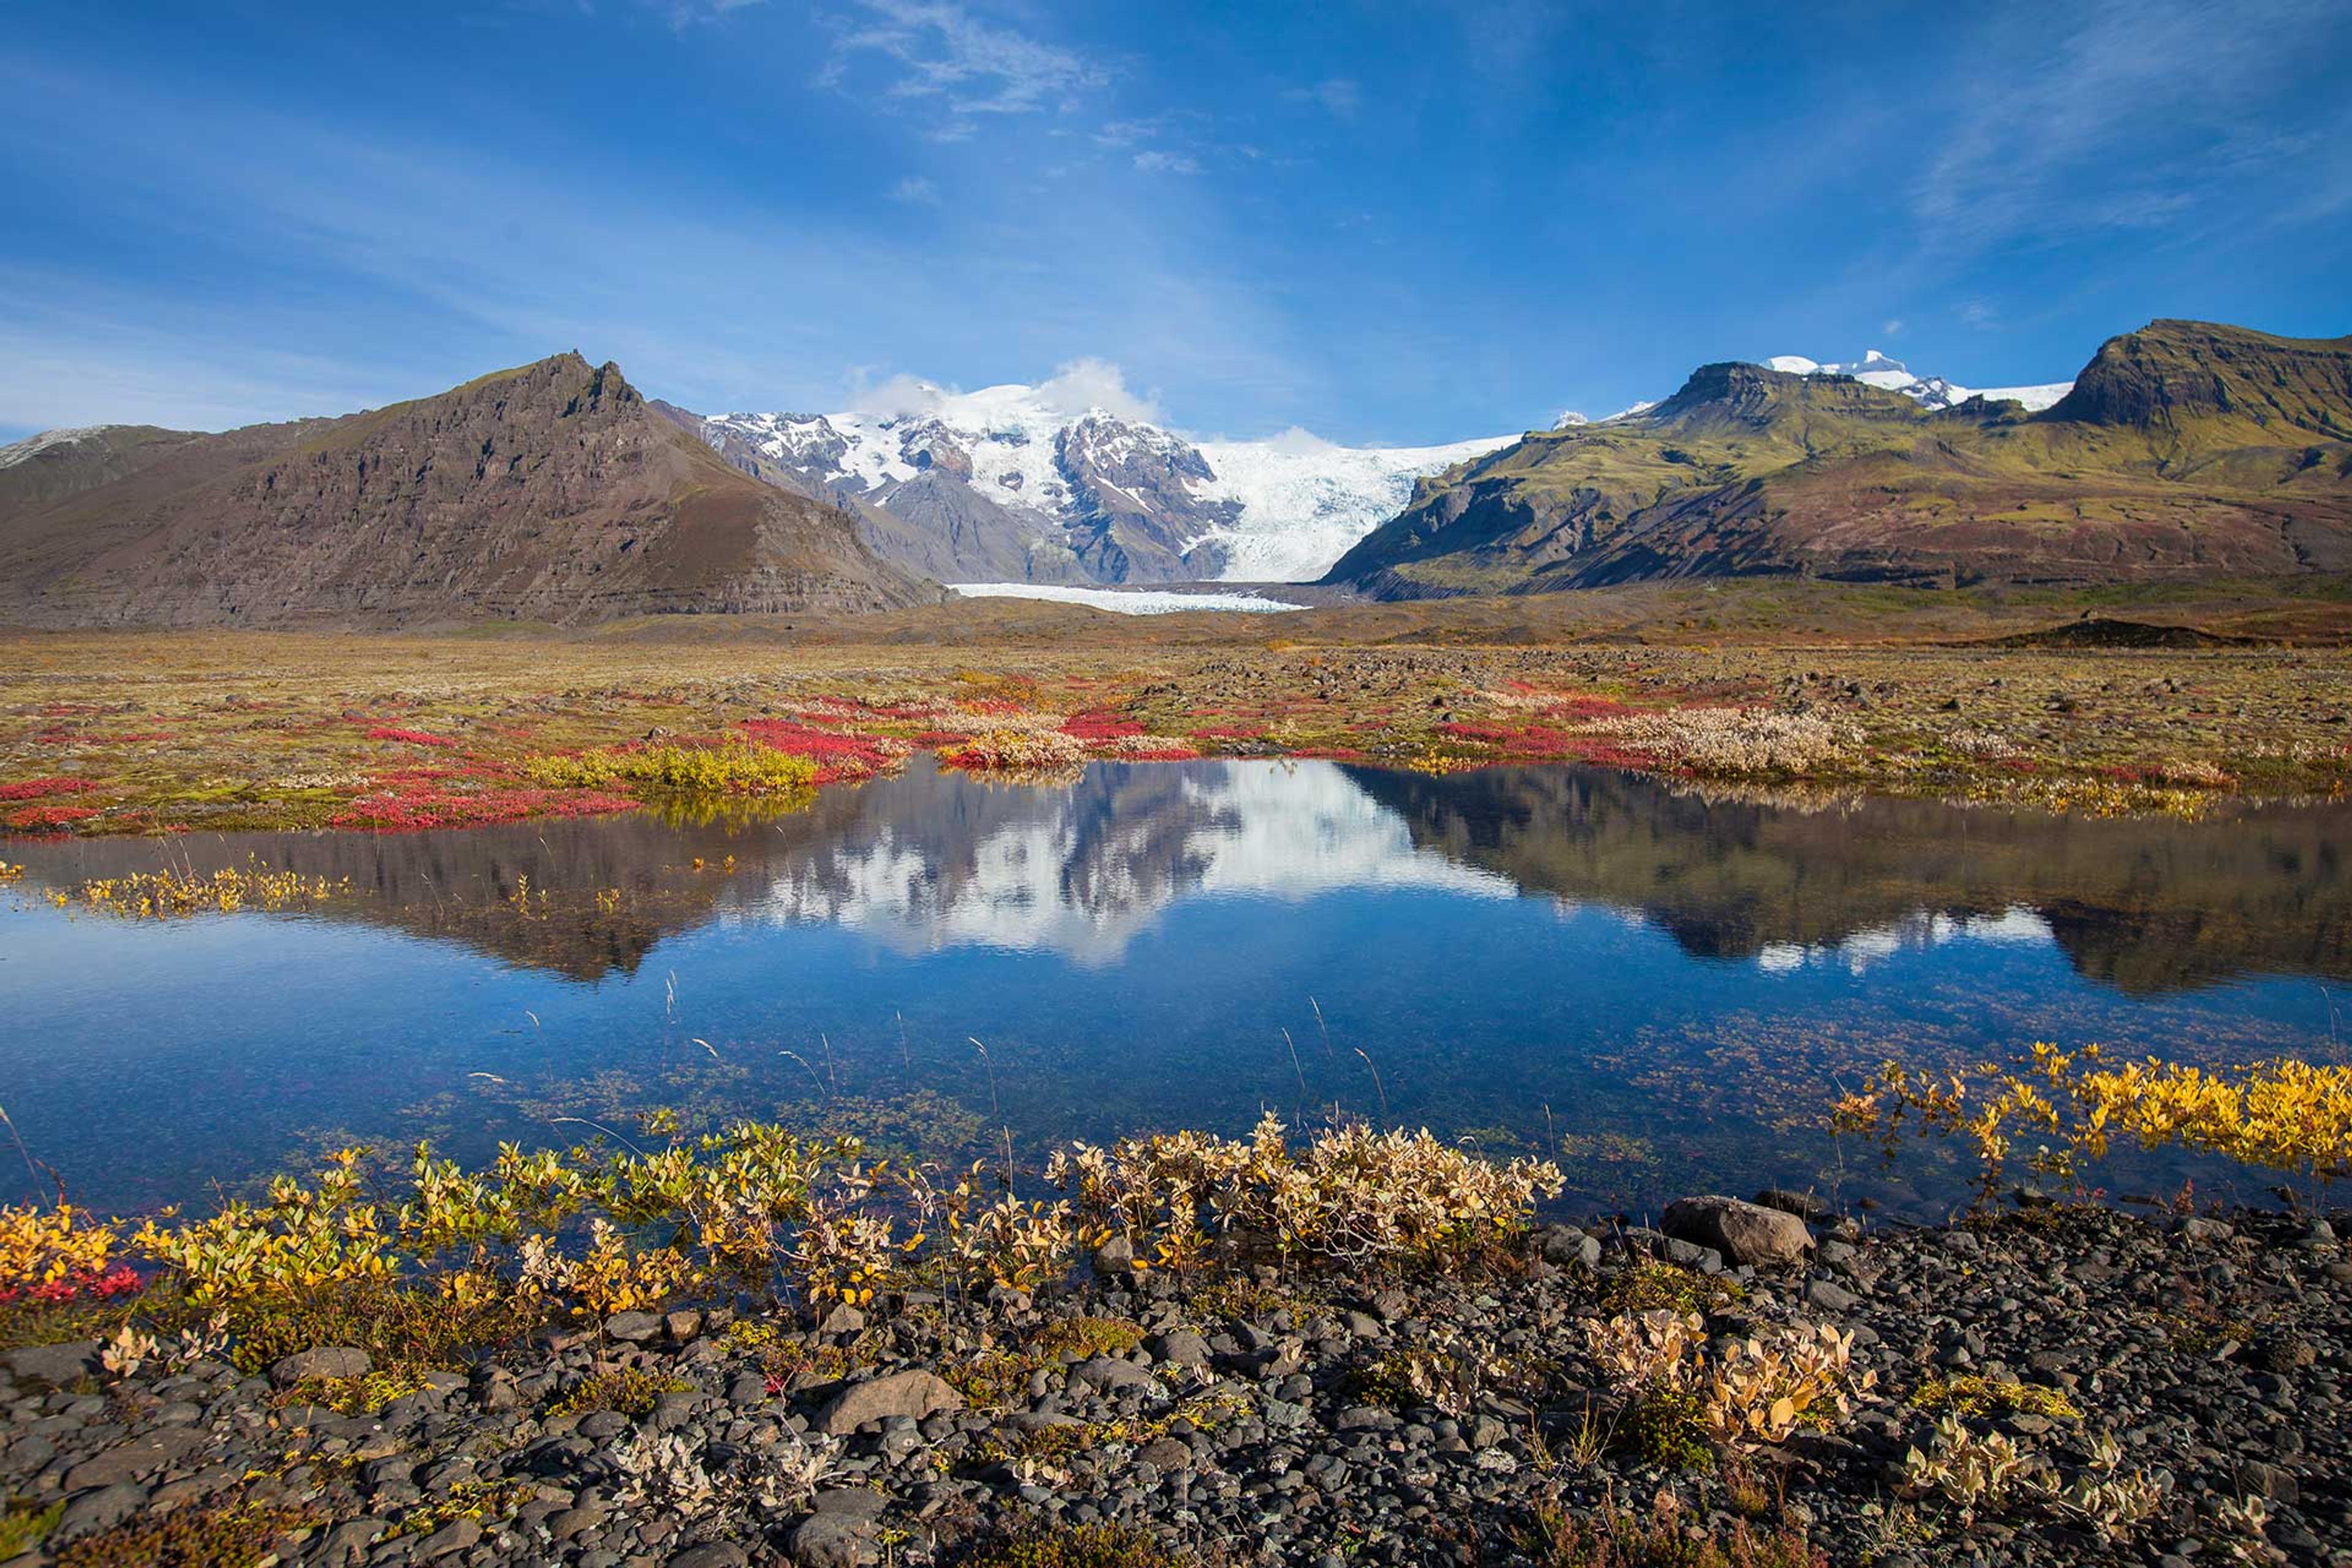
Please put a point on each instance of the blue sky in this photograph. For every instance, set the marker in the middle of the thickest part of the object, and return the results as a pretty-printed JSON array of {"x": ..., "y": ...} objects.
[{"x": 1381, "y": 221}]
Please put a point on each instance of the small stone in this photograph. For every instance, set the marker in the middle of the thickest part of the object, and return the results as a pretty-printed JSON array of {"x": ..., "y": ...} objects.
[
  {"x": 1114, "y": 1258},
  {"x": 99, "y": 1509},
  {"x": 1109, "y": 1374},
  {"x": 843, "y": 1319},
  {"x": 139, "y": 1456},
  {"x": 59, "y": 1364},
  {"x": 916, "y": 1393},
  {"x": 1183, "y": 1347},
  {"x": 714, "y": 1554},
  {"x": 633, "y": 1328},
  {"x": 832, "y": 1541},
  {"x": 1832, "y": 1297}
]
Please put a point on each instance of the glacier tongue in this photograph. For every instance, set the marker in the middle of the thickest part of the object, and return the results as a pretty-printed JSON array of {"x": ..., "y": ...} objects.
[
  {"x": 1291, "y": 505},
  {"x": 1303, "y": 506}
]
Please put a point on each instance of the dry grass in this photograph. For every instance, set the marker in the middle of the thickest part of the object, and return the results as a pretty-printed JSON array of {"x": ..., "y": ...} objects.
[{"x": 130, "y": 732}]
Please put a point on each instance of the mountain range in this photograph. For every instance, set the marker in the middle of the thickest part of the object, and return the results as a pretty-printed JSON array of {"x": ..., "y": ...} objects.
[
  {"x": 551, "y": 492},
  {"x": 557, "y": 492},
  {"x": 2183, "y": 449},
  {"x": 1012, "y": 484}
]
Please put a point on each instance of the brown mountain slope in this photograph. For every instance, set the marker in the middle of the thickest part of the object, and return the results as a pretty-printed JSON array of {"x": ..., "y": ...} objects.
[
  {"x": 550, "y": 492},
  {"x": 2186, "y": 450}
]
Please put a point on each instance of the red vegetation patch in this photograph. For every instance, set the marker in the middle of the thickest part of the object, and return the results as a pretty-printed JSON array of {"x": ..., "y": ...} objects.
[
  {"x": 1533, "y": 741},
  {"x": 1229, "y": 732},
  {"x": 1586, "y": 707},
  {"x": 409, "y": 737},
  {"x": 34, "y": 789},
  {"x": 77, "y": 1285},
  {"x": 1099, "y": 726},
  {"x": 837, "y": 756},
  {"x": 416, "y": 806},
  {"x": 1159, "y": 754},
  {"x": 37, "y": 818}
]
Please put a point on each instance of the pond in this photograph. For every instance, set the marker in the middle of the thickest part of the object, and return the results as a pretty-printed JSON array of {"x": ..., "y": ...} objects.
[{"x": 1664, "y": 986}]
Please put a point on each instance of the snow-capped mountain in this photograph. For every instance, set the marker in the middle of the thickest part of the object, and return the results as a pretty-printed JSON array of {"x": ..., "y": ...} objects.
[
  {"x": 1932, "y": 391},
  {"x": 1027, "y": 481}
]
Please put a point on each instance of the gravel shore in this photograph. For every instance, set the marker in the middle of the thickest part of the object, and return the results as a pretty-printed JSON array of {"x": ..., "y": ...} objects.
[{"x": 1261, "y": 1418}]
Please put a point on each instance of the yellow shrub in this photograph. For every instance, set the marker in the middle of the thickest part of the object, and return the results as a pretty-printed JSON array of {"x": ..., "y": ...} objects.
[{"x": 733, "y": 768}]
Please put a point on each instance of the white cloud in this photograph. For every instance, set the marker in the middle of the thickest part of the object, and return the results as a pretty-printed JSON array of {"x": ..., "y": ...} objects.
[
  {"x": 1341, "y": 96},
  {"x": 1891, "y": 327},
  {"x": 1085, "y": 383},
  {"x": 683, "y": 14},
  {"x": 939, "y": 51},
  {"x": 1152, "y": 160},
  {"x": 915, "y": 191},
  {"x": 897, "y": 396}
]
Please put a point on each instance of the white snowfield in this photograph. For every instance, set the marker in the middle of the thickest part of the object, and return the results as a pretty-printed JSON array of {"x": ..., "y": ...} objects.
[
  {"x": 1302, "y": 500},
  {"x": 1126, "y": 601},
  {"x": 1875, "y": 369},
  {"x": 1305, "y": 502}
]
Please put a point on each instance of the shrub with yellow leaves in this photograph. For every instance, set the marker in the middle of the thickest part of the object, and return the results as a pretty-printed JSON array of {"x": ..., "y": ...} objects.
[{"x": 2280, "y": 1114}]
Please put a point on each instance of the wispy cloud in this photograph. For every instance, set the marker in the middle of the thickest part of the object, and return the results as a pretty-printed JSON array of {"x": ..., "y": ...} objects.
[
  {"x": 335, "y": 277},
  {"x": 941, "y": 55},
  {"x": 1341, "y": 97},
  {"x": 1154, "y": 160},
  {"x": 684, "y": 14},
  {"x": 2128, "y": 115},
  {"x": 915, "y": 191}
]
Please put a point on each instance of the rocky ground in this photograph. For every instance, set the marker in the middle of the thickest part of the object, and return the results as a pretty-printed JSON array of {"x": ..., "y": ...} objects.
[{"x": 1262, "y": 1418}]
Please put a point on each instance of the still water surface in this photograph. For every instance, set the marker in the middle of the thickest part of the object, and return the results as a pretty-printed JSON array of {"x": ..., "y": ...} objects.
[{"x": 1665, "y": 985}]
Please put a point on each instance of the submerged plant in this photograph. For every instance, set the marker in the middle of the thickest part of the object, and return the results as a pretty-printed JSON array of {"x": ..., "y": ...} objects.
[{"x": 2280, "y": 1114}]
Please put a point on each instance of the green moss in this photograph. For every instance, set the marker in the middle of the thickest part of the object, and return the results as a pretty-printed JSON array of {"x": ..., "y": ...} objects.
[
  {"x": 1556, "y": 1535},
  {"x": 24, "y": 1524},
  {"x": 478, "y": 1500},
  {"x": 1970, "y": 1395},
  {"x": 632, "y": 1392},
  {"x": 1651, "y": 1287},
  {"x": 1665, "y": 1428},
  {"x": 362, "y": 1396},
  {"x": 1092, "y": 1546},
  {"x": 220, "y": 1534},
  {"x": 1087, "y": 1337}
]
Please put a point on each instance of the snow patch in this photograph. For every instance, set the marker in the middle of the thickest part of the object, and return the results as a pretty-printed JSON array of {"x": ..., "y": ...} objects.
[
  {"x": 1875, "y": 369},
  {"x": 31, "y": 446},
  {"x": 1126, "y": 601}
]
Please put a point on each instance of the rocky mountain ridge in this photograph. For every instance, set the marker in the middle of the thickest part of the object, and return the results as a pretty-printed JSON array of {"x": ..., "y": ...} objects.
[
  {"x": 2185, "y": 450},
  {"x": 550, "y": 492}
]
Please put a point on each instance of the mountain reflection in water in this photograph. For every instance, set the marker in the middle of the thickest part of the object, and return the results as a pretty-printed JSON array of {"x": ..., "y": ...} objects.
[
  {"x": 936, "y": 859},
  {"x": 1669, "y": 978}
]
